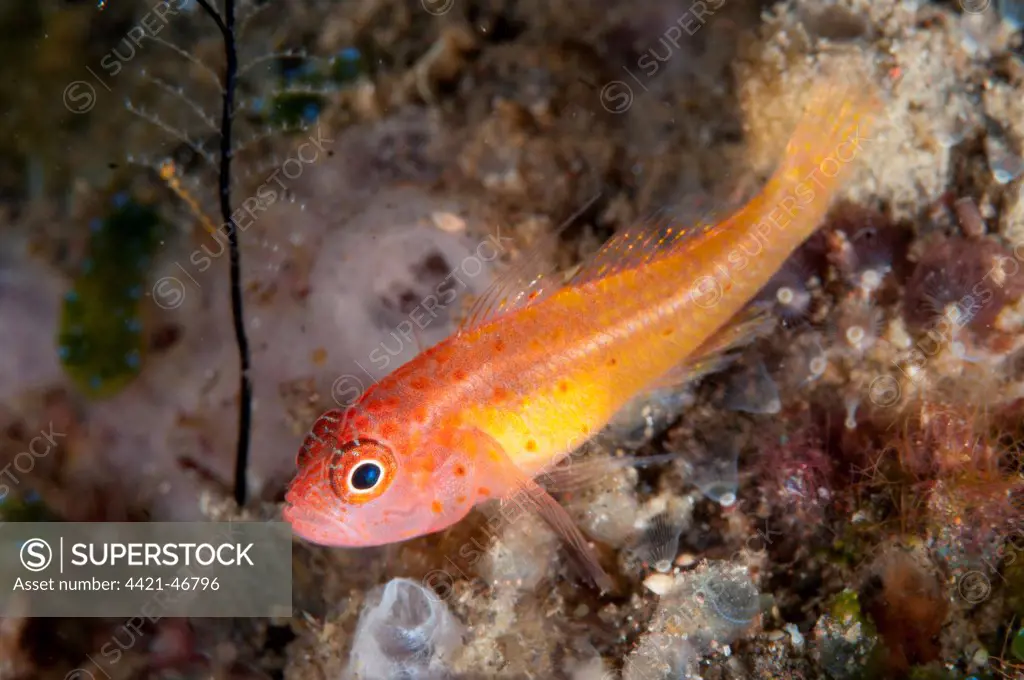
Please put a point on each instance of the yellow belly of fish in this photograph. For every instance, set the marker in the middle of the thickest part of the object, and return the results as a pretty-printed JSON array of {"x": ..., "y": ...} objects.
[{"x": 539, "y": 429}]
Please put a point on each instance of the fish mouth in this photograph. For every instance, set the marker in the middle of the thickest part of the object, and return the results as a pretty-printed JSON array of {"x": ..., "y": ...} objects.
[{"x": 318, "y": 527}]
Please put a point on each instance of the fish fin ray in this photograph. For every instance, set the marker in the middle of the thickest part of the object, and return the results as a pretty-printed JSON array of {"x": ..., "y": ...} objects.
[
  {"x": 521, "y": 489},
  {"x": 544, "y": 504},
  {"x": 660, "y": 232},
  {"x": 718, "y": 351},
  {"x": 524, "y": 282}
]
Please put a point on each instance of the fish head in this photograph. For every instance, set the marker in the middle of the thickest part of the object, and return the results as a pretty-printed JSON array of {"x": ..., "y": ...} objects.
[{"x": 356, "y": 487}]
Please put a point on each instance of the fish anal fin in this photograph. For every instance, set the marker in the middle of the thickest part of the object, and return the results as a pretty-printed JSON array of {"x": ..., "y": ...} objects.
[
  {"x": 518, "y": 487},
  {"x": 717, "y": 351},
  {"x": 524, "y": 282}
]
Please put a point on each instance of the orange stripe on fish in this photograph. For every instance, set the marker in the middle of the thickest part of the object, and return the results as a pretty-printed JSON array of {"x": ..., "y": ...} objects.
[{"x": 538, "y": 368}]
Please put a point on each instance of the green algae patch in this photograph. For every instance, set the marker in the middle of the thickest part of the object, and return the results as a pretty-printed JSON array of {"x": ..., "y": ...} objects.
[
  {"x": 847, "y": 640},
  {"x": 1017, "y": 646},
  {"x": 306, "y": 85},
  {"x": 101, "y": 341},
  {"x": 29, "y": 508}
]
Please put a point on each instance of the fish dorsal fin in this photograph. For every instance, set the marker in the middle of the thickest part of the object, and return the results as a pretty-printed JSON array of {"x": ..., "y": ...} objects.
[
  {"x": 668, "y": 229},
  {"x": 524, "y": 282},
  {"x": 634, "y": 246}
]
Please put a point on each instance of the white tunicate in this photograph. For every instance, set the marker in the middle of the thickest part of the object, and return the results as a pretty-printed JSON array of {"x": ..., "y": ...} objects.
[
  {"x": 708, "y": 607},
  {"x": 735, "y": 600},
  {"x": 752, "y": 390},
  {"x": 656, "y": 545},
  {"x": 715, "y": 471},
  {"x": 647, "y": 416},
  {"x": 404, "y": 631},
  {"x": 663, "y": 657},
  {"x": 523, "y": 554}
]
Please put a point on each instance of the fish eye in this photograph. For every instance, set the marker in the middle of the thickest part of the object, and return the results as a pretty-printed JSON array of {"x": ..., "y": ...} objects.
[
  {"x": 361, "y": 470},
  {"x": 365, "y": 476}
]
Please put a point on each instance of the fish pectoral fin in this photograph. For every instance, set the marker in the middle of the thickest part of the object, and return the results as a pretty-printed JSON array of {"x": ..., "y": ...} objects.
[
  {"x": 716, "y": 353},
  {"x": 559, "y": 520},
  {"x": 521, "y": 489}
]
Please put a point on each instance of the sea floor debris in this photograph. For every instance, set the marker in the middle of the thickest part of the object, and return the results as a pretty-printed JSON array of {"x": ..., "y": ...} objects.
[{"x": 849, "y": 495}]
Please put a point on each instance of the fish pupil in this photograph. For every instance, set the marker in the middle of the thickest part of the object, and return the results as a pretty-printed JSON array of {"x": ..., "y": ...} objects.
[{"x": 366, "y": 476}]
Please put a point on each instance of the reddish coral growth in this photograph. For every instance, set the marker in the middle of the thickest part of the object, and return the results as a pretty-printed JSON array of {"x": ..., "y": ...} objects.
[
  {"x": 979, "y": 514},
  {"x": 797, "y": 472},
  {"x": 907, "y": 604},
  {"x": 940, "y": 441},
  {"x": 969, "y": 281},
  {"x": 945, "y": 468}
]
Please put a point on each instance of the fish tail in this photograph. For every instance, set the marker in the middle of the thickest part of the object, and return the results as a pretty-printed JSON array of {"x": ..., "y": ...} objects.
[
  {"x": 830, "y": 137},
  {"x": 754, "y": 243}
]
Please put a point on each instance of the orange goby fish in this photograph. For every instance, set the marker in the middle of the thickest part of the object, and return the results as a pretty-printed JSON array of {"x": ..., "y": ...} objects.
[{"x": 535, "y": 371}]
